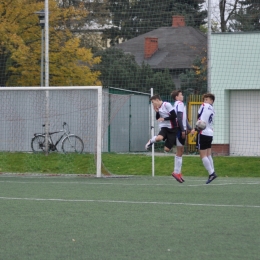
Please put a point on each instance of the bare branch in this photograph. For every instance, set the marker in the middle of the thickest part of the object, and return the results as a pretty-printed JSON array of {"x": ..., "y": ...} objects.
[{"x": 232, "y": 11}]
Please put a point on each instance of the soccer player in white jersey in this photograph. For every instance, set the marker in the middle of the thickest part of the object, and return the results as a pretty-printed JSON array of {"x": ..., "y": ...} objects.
[
  {"x": 183, "y": 126},
  {"x": 205, "y": 137},
  {"x": 166, "y": 116}
]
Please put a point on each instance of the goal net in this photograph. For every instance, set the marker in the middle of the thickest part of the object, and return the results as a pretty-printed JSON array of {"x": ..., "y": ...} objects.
[
  {"x": 197, "y": 46},
  {"x": 63, "y": 112}
]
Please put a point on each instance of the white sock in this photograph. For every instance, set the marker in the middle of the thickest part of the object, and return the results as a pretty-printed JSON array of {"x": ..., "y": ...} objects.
[
  {"x": 153, "y": 139},
  {"x": 177, "y": 164},
  {"x": 207, "y": 165},
  {"x": 211, "y": 162}
]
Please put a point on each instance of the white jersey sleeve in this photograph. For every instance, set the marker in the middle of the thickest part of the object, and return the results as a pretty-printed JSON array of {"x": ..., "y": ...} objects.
[{"x": 180, "y": 107}]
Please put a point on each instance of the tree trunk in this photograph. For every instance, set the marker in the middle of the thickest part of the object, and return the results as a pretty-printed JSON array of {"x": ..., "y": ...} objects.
[{"x": 222, "y": 9}]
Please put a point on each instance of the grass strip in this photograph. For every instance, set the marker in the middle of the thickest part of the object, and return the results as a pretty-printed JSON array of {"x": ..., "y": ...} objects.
[{"x": 125, "y": 164}]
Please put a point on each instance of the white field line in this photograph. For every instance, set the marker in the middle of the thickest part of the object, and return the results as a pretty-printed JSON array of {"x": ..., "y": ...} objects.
[
  {"x": 135, "y": 184},
  {"x": 122, "y": 177},
  {"x": 133, "y": 202},
  {"x": 189, "y": 179}
]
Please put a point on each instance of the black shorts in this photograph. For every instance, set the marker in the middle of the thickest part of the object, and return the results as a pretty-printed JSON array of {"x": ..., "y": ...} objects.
[
  {"x": 169, "y": 136},
  {"x": 204, "y": 142}
]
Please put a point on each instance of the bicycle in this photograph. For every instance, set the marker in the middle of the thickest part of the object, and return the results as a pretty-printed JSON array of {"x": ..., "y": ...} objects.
[{"x": 69, "y": 142}]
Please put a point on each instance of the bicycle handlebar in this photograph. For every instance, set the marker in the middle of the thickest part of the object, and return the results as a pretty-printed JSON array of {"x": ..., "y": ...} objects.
[
  {"x": 64, "y": 123},
  {"x": 63, "y": 130}
]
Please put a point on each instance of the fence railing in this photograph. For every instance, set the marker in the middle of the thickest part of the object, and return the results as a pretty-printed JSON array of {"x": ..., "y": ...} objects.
[{"x": 194, "y": 102}]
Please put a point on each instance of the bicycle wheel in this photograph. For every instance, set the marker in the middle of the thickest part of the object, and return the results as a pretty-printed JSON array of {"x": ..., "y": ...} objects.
[
  {"x": 72, "y": 144},
  {"x": 38, "y": 144}
]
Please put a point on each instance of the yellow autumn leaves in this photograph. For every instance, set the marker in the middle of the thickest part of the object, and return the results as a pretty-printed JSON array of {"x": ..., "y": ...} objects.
[{"x": 20, "y": 46}]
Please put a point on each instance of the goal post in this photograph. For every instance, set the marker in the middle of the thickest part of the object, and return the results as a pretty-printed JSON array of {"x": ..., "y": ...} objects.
[
  {"x": 99, "y": 132},
  {"x": 25, "y": 109}
]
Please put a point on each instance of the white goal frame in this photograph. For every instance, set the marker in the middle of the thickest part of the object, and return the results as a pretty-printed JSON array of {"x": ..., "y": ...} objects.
[{"x": 99, "y": 109}]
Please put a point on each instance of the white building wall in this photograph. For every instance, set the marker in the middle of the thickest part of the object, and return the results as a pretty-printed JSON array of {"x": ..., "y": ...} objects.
[{"x": 235, "y": 61}]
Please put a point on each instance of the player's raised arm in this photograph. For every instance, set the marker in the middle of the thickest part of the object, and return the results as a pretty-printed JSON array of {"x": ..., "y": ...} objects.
[{"x": 172, "y": 115}]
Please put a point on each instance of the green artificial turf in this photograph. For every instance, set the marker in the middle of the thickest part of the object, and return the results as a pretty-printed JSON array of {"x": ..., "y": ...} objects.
[{"x": 148, "y": 218}]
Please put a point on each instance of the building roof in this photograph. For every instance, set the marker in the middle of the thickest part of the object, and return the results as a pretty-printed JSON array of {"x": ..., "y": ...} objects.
[{"x": 177, "y": 47}]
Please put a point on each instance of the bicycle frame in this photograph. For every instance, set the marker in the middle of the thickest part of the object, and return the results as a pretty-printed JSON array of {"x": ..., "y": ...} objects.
[{"x": 62, "y": 137}]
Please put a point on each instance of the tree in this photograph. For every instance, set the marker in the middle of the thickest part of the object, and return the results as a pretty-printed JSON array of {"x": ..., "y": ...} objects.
[
  {"x": 133, "y": 18},
  {"x": 227, "y": 10},
  {"x": 247, "y": 17},
  {"x": 97, "y": 12},
  {"x": 89, "y": 27},
  {"x": 194, "y": 81},
  {"x": 236, "y": 15},
  {"x": 120, "y": 70},
  {"x": 20, "y": 47},
  {"x": 71, "y": 65}
]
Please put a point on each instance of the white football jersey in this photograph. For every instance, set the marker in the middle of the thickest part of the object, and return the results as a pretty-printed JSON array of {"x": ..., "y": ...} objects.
[
  {"x": 206, "y": 113},
  {"x": 180, "y": 107},
  {"x": 164, "y": 111}
]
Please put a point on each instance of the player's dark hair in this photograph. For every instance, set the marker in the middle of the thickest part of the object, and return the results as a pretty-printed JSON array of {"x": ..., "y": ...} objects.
[
  {"x": 175, "y": 93},
  {"x": 209, "y": 95},
  {"x": 154, "y": 97}
]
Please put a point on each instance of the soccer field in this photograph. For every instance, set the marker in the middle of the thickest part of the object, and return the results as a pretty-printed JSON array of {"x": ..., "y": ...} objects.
[{"x": 73, "y": 217}]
